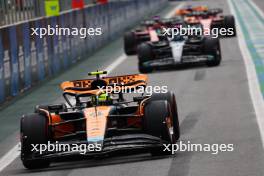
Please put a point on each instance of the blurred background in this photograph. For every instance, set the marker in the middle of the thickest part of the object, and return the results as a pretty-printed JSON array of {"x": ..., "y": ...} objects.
[{"x": 12, "y": 11}]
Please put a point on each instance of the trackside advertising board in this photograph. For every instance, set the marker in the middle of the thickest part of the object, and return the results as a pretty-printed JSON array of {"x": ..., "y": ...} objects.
[
  {"x": 52, "y": 7},
  {"x": 77, "y": 4}
]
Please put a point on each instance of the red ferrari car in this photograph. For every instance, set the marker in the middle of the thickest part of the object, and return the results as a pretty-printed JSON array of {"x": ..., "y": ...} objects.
[{"x": 149, "y": 30}]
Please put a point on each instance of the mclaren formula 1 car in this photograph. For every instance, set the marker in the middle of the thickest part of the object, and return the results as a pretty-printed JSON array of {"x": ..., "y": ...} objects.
[
  {"x": 96, "y": 113},
  {"x": 212, "y": 18},
  {"x": 190, "y": 9},
  {"x": 179, "y": 51},
  {"x": 149, "y": 30}
]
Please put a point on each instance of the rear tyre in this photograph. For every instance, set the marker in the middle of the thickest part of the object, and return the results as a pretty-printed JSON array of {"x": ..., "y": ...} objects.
[
  {"x": 170, "y": 97},
  {"x": 212, "y": 47},
  {"x": 229, "y": 22},
  {"x": 34, "y": 130},
  {"x": 130, "y": 43},
  {"x": 156, "y": 113}
]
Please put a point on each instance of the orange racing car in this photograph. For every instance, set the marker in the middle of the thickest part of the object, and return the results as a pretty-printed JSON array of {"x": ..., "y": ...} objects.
[
  {"x": 209, "y": 18},
  {"x": 96, "y": 114},
  {"x": 190, "y": 9}
]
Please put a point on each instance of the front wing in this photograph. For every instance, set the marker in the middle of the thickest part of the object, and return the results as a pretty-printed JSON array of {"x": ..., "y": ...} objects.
[
  {"x": 132, "y": 142},
  {"x": 170, "y": 62}
]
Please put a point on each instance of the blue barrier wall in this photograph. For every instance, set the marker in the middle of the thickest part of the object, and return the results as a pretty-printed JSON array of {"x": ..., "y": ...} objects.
[{"x": 25, "y": 60}]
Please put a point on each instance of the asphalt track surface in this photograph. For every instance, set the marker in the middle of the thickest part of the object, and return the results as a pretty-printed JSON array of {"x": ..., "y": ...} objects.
[
  {"x": 214, "y": 107},
  {"x": 260, "y": 4}
]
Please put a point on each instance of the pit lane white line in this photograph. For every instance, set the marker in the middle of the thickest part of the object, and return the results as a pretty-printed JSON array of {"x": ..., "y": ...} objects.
[
  {"x": 12, "y": 154},
  {"x": 116, "y": 63},
  {"x": 254, "y": 87},
  {"x": 257, "y": 8}
]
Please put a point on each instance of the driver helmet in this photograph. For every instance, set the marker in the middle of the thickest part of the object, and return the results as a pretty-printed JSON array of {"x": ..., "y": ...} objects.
[
  {"x": 103, "y": 97},
  {"x": 156, "y": 18}
]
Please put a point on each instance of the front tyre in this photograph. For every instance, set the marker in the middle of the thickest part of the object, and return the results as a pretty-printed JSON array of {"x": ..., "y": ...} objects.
[
  {"x": 144, "y": 69},
  {"x": 155, "y": 123},
  {"x": 34, "y": 130},
  {"x": 170, "y": 98},
  {"x": 212, "y": 48},
  {"x": 144, "y": 54}
]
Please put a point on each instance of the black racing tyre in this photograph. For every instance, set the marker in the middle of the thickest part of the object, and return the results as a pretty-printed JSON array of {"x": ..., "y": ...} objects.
[
  {"x": 170, "y": 97},
  {"x": 130, "y": 43},
  {"x": 212, "y": 47},
  {"x": 144, "y": 69},
  {"x": 229, "y": 22},
  {"x": 145, "y": 53},
  {"x": 155, "y": 124},
  {"x": 34, "y": 130}
]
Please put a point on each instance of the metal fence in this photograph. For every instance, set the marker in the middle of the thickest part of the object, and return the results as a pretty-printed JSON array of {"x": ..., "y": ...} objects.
[{"x": 12, "y": 11}]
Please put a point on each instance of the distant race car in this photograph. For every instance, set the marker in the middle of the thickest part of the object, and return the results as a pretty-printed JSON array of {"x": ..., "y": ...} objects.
[
  {"x": 181, "y": 50},
  {"x": 95, "y": 115},
  {"x": 149, "y": 31},
  {"x": 190, "y": 9},
  {"x": 212, "y": 18}
]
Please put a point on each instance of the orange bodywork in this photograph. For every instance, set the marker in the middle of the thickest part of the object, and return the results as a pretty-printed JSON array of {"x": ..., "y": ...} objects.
[
  {"x": 205, "y": 22},
  {"x": 84, "y": 86},
  {"x": 95, "y": 118},
  {"x": 96, "y": 121},
  {"x": 60, "y": 130},
  {"x": 183, "y": 12}
]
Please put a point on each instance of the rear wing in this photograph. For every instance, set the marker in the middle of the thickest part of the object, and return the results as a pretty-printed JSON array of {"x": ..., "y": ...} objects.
[
  {"x": 186, "y": 11},
  {"x": 91, "y": 86}
]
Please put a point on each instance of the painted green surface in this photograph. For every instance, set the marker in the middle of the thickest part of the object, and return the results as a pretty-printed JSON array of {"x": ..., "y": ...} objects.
[{"x": 244, "y": 7}]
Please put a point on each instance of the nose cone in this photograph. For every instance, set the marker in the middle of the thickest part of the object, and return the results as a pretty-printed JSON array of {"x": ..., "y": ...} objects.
[
  {"x": 96, "y": 122},
  {"x": 97, "y": 143},
  {"x": 95, "y": 139}
]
